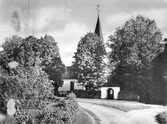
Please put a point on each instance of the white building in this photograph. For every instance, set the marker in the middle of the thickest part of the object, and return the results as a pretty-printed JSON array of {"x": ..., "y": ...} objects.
[
  {"x": 110, "y": 91},
  {"x": 69, "y": 82}
]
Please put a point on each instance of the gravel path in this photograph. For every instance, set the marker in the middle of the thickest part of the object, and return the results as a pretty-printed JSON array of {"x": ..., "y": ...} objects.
[{"x": 114, "y": 116}]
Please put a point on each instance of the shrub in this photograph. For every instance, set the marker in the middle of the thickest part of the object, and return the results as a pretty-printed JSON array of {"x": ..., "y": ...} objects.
[
  {"x": 162, "y": 118},
  {"x": 71, "y": 105},
  {"x": 88, "y": 94},
  {"x": 58, "y": 111},
  {"x": 28, "y": 84},
  {"x": 126, "y": 95}
]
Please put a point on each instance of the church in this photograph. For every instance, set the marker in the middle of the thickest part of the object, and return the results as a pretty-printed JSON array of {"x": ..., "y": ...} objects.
[
  {"x": 69, "y": 82},
  {"x": 108, "y": 90}
]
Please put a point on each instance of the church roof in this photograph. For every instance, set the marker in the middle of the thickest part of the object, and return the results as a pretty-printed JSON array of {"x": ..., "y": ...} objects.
[
  {"x": 67, "y": 75},
  {"x": 98, "y": 29}
]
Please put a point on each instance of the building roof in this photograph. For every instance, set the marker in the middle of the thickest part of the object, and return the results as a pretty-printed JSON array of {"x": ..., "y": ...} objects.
[
  {"x": 67, "y": 75},
  {"x": 98, "y": 29},
  {"x": 110, "y": 84}
]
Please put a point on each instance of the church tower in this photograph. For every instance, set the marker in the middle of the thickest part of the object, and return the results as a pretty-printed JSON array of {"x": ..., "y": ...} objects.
[{"x": 98, "y": 29}]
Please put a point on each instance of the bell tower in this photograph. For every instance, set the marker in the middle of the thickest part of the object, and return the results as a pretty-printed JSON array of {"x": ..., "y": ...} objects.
[{"x": 98, "y": 29}]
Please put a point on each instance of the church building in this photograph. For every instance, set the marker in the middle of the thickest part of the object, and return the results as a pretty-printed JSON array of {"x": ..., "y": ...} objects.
[{"x": 108, "y": 90}]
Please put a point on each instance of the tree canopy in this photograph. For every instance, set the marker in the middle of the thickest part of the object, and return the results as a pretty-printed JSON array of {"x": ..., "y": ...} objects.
[
  {"x": 160, "y": 76},
  {"x": 89, "y": 66},
  {"x": 133, "y": 47},
  {"x": 27, "y": 51}
]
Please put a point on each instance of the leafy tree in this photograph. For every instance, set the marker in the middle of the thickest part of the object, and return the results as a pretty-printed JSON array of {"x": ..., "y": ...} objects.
[
  {"x": 160, "y": 76},
  {"x": 24, "y": 84},
  {"x": 89, "y": 66},
  {"x": 133, "y": 47},
  {"x": 55, "y": 69},
  {"x": 27, "y": 51}
]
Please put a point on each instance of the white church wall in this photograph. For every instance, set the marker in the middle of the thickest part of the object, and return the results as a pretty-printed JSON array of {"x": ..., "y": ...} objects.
[
  {"x": 78, "y": 86},
  {"x": 66, "y": 85}
]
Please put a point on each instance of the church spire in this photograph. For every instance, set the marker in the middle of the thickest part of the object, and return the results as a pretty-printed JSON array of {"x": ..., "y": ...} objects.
[{"x": 98, "y": 29}]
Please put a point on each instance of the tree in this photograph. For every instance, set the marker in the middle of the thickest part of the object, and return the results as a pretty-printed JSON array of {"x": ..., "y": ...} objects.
[
  {"x": 160, "y": 76},
  {"x": 133, "y": 47},
  {"x": 55, "y": 69},
  {"x": 24, "y": 84},
  {"x": 89, "y": 66},
  {"x": 27, "y": 51}
]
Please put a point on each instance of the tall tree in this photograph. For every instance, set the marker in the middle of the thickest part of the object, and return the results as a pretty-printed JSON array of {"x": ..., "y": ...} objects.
[
  {"x": 24, "y": 84},
  {"x": 133, "y": 47},
  {"x": 27, "y": 51},
  {"x": 160, "y": 76},
  {"x": 89, "y": 66}
]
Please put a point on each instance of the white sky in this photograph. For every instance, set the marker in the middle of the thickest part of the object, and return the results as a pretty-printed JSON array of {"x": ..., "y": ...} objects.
[{"x": 68, "y": 20}]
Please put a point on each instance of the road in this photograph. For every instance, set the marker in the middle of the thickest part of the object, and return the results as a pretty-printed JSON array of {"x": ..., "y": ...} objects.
[{"x": 114, "y": 116}]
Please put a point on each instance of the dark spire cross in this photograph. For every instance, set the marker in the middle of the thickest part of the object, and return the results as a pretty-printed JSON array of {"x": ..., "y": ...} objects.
[{"x": 98, "y": 9}]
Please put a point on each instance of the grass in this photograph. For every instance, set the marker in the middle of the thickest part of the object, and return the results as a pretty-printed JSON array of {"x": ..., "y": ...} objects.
[
  {"x": 125, "y": 106},
  {"x": 97, "y": 120},
  {"x": 82, "y": 118}
]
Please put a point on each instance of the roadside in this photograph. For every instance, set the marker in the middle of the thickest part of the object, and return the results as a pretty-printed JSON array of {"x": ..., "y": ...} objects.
[
  {"x": 94, "y": 117},
  {"x": 107, "y": 115},
  {"x": 137, "y": 113},
  {"x": 125, "y": 106},
  {"x": 84, "y": 117}
]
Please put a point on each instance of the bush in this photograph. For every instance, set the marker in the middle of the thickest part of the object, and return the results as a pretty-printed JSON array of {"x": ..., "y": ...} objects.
[
  {"x": 58, "y": 111},
  {"x": 28, "y": 84},
  {"x": 130, "y": 96},
  {"x": 63, "y": 93},
  {"x": 71, "y": 105},
  {"x": 88, "y": 94},
  {"x": 162, "y": 118}
]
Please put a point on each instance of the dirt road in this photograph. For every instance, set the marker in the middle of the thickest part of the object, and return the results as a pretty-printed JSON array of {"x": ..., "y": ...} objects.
[{"x": 114, "y": 116}]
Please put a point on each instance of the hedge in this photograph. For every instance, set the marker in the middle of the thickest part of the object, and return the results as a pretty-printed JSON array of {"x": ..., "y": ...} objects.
[
  {"x": 87, "y": 94},
  {"x": 49, "y": 111},
  {"x": 126, "y": 95}
]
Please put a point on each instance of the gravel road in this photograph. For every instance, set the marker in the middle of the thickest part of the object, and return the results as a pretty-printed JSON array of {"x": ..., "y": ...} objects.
[{"x": 114, "y": 116}]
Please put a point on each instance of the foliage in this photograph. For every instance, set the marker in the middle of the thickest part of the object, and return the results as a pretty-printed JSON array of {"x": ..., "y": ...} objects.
[
  {"x": 88, "y": 94},
  {"x": 27, "y": 82},
  {"x": 10, "y": 88},
  {"x": 159, "y": 76},
  {"x": 130, "y": 96},
  {"x": 55, "y": 73},
  {"x": 35, "y": 82},
  {"x": 89, "y": 66},
  {"x": 26, "y": 85},
  {"x": 23, "y": 77},
  {"x": 162, "y": 118},
  {"x": 29, "y": 50},
  {"x": 133, "y": 47},
  {"x": 61, "y": 111}
]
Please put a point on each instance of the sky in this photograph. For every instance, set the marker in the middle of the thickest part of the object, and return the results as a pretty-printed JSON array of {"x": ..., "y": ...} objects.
[{"x": 69, "y": 20}]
